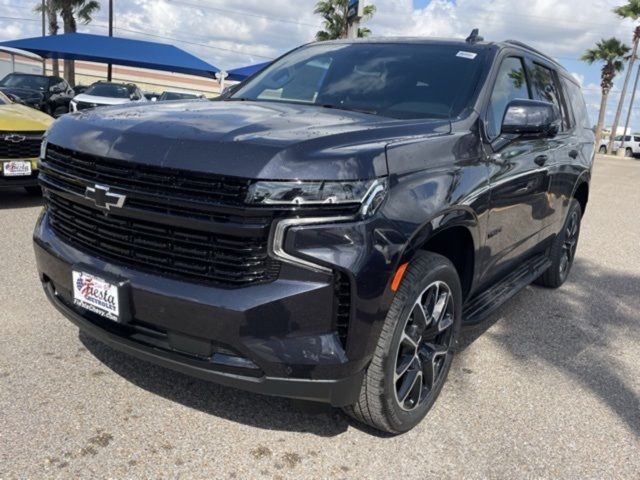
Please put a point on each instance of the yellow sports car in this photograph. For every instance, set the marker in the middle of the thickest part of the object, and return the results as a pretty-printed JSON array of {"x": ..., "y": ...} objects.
[{"x": 21, "y": 130}]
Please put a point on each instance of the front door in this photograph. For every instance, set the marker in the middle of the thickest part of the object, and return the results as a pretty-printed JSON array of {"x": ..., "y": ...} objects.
[{"x": 519, "y": 179}]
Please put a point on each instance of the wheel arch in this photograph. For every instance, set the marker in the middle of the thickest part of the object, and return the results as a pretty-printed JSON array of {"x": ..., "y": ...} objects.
[
  {"x": 454, "y": 235},
  {"x": 581, "y": 192}
]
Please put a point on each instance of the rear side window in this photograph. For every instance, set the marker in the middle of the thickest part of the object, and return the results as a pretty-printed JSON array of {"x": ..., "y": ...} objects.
[
  {"x": 546, "y": 89},
  {"x": 576, "y": 100},
  {"x": 511, "y": 84}
]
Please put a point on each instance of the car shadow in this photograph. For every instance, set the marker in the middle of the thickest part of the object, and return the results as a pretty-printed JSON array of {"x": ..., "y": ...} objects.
[
  {"x": 18, "y": 198},
  {"x": 261, "y": 411},
  {"x": 575, "y": 324},
  {"x": 575, "y": 331}
]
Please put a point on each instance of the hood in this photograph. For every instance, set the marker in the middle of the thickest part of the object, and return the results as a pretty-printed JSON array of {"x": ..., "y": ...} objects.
[
  {"x": 25, "y": 94},
  {"x": 83, "y": 97},
  {"x": 266, "y": 140},
  {"x": 20, "y": 118}
]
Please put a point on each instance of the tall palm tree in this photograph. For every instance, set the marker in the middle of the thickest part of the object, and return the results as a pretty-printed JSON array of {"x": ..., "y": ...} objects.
[
  {"x": 71, "y": 12},
  {"x": 336, "y": 24},
  {"x": 51, "y": 10},
  {"x": 612, "y": 53},
  {"x": 631, "y": 11}
]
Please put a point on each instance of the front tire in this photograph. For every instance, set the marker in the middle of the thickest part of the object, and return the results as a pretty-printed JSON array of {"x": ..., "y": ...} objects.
[
  {"x": 603, "y": 149},
  {"x": 563, "y": 249},
  {"x": 628, "y": 153},
  {"x": 415, "y": 348}
]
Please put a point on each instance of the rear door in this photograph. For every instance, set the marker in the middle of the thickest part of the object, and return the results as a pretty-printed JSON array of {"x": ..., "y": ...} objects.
[
  {"x": 518, "y": 184},
  {"x": 573, "y": 152}
]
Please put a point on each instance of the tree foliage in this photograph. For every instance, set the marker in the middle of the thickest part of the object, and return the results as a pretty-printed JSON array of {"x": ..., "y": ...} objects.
[{"x": 336, "y": 23}]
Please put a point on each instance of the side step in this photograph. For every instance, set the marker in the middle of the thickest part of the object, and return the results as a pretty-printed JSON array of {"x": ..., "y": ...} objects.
[{"x": 482, "y": 305}]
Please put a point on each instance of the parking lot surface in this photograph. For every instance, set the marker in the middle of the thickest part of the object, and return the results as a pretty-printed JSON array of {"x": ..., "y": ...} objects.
[{"x": 549, "y": 387}]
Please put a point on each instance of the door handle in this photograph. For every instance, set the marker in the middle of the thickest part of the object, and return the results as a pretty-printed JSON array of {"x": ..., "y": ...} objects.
[
  {"x": 541, "y": 160},
  {"x": 573, "y": 154}
]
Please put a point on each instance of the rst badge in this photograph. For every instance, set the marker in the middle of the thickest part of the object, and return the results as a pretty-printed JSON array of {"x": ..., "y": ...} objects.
[{"x": 96, "y": 295}]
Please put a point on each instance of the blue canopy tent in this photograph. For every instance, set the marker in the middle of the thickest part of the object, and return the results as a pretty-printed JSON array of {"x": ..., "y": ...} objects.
[
  {"x": 118, "y": 51},
  {"x": 239, "y": 74}
]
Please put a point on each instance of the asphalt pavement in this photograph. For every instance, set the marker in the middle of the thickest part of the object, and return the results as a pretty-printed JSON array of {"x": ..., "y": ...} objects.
[{"x": 549, "y": 387}]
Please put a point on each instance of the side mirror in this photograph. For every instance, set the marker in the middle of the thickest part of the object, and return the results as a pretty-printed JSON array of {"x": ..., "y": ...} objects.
[
  {"x": 531, "y": 118},
  {"x": 56, "y": 89}
]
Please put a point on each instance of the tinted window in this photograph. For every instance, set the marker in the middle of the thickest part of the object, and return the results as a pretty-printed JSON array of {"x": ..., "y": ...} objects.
[
  {"x": 32, "y": 82},
  {"x": 388, "y": 79},
  {"x": 576, "y": 100},
  {"x": 511, "y": 84},
  {"x": 636, "y": 139},
  {"x": 4, "y": 100},
  {"x": 545, "y": 87},
  {"x": 110, "y": 90}
]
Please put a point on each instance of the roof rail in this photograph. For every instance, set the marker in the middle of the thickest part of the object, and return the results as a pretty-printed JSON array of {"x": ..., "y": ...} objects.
[{"x": 533, "y": 50}]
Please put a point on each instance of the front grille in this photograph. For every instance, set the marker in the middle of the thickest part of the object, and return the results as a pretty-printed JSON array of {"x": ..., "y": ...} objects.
[
  {"x": 161, "y": 248},
  {"x": 85, "y": 105},
  {"x": 20, "y": 144},
  {"x": 76, "y": 169}
]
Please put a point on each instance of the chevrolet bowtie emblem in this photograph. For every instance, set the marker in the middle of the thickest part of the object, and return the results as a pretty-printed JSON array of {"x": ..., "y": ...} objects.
[
  {"x": 103, "y": 198},
  {"x": 14, "y": 138}
]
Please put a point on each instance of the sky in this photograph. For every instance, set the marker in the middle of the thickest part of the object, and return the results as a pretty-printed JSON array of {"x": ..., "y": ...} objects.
[{"x": 230, "y": 34}]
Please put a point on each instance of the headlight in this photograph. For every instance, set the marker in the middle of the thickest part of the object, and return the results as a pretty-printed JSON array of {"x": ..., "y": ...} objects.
[
  {"x": 43, "y": 148},
  {"x": 73, "y": 105},
  {"x": 367, "y": 194},
  {"x": 299, "y": 193}
]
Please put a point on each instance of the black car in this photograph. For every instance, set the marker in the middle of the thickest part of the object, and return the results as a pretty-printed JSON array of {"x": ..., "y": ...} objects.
[
  {"x": 324, "y": 231},
  {"x": 49, "y": 94}
]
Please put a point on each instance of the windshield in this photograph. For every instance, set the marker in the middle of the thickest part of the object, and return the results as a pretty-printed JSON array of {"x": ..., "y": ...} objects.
[
  {"x": 109, "y": 90},
  {"x": 32, "y": 82},
  {"x": 389, "y": 79}
]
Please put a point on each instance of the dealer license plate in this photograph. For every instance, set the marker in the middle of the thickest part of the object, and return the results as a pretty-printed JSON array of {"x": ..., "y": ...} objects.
[
  {"x": 16, "y": 169},
  {"x": 96, "y": 295}
]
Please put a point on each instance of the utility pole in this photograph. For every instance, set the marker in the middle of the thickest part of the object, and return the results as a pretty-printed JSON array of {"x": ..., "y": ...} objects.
[
  {"x": 110, "y": 67},
  {"x": 355, "y": 11},
  {"x": 633, "y": 98},
  {"x": 44, "y": 32}
]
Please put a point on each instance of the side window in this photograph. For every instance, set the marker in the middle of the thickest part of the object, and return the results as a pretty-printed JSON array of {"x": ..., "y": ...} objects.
[
  {"x": 576, "y": 100},
  {"x": 546, "y": 89},
  {"x": 511, "y": 84}
]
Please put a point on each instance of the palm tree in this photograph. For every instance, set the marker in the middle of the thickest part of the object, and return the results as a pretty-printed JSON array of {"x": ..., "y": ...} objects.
[
  {"x": 631, "y": 11},
  {"x": 336, "y": 24},
  {"x": 70, "y": 10},
  {"x": 612, "y": 53},
  {"x": 51, "y": 10}
]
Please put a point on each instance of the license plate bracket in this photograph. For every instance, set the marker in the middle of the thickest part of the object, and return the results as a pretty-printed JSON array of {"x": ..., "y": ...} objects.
[
  {"x": 101, "y": 294},
  {"x": 16, "y": 168}
]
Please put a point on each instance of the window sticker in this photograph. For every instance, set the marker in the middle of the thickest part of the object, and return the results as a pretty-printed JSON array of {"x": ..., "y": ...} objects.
[{"x": 469, "y": 55}]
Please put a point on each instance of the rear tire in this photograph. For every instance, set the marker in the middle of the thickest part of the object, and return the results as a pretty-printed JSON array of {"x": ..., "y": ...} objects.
[
  {"x": 603, "y": 149},
  {"x": 628, "y": 153},
  {"x": 414, "y": 352},
  {"x": 563, "y": 249}
]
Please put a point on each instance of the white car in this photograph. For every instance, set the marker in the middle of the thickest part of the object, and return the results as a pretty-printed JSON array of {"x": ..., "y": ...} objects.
[
  {"x": 106, "y": 93},
  {"x": 631, "y": 145}
]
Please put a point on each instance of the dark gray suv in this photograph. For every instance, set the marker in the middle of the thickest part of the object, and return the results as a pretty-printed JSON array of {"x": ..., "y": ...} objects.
[{"x": 325, "y": 229}]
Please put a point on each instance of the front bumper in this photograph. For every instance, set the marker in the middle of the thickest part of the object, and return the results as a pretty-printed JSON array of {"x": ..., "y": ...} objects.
[{"x": 277, "y": 338}]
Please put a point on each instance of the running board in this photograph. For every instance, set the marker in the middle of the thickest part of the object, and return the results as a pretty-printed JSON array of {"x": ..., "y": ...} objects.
[{"x": 482, "y": 305}]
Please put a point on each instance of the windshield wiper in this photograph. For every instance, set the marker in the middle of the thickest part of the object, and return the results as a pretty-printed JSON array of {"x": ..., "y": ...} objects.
[{"x": 349, "y": 109}]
